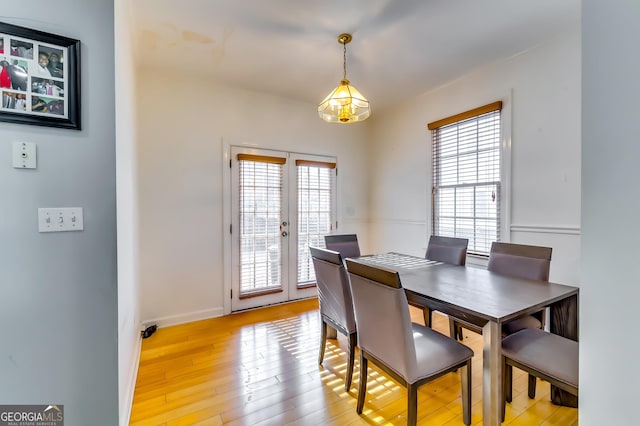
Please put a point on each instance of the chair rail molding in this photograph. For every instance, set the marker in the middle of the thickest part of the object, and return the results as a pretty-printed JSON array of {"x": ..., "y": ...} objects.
[
  {"x": 356, "y": 220},
  {"x": 397, "y": 221},
  {"x": 546, "y": 229}
]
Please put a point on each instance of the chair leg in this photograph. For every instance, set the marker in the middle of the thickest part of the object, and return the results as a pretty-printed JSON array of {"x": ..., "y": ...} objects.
[
  {"x": 508, "y": 380},
  {"x": 351, "y": 353},
  {"x": 332, "y": 333},
  {"x": 543, "y": 319},
  {"x": 532, "y": 386},
  {"x": 412, "y": 409},
  {"x": 465, "y": 375},
  {"x": 362, "y": 387},
  {"x": 323, "y": 340},
  {"x": 426, "y": 312},
  {"x": 453, "y": 329}
]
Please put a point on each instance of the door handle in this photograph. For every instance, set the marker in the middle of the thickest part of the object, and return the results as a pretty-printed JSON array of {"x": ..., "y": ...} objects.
[{"x": 284, "y": 233}]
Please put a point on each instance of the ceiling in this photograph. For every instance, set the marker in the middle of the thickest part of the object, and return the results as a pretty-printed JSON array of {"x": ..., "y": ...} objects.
[{"x": 400, "y": 48}]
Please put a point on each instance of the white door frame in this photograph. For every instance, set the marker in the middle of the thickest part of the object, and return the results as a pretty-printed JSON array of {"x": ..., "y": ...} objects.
[{"x": 227, "y": 219}]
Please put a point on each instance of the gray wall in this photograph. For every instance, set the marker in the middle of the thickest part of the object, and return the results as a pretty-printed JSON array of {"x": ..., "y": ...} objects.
[
  {"x": 610, "y": 289},
  {"x": 58, "y": 301}
]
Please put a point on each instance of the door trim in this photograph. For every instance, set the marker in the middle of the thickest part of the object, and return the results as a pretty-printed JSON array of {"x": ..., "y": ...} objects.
[
  {"x": 226, "y": 225},
  {"x": 226, "y": 147}
]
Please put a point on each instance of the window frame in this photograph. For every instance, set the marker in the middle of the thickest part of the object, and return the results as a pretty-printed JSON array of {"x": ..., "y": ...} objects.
[
  {"x": 327, "y": 163},
  {"x": 504, "y": 106}
]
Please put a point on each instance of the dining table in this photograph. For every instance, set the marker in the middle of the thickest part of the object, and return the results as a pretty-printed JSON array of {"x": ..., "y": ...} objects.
[{"x": 487, "y": 299}]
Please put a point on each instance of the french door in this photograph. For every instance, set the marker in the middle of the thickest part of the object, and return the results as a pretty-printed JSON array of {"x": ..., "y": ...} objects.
[{"x": 281, "y": 204}]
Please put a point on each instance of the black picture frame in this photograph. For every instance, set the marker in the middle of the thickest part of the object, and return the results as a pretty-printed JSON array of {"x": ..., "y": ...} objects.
[{"x": 39, "y": 78}]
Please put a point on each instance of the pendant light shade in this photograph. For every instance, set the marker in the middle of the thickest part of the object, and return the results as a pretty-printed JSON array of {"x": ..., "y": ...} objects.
[{"x": 345, "y": 104}]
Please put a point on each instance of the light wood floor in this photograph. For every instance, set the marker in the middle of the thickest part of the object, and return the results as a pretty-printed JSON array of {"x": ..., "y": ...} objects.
[{"x": 261, "y": 368}]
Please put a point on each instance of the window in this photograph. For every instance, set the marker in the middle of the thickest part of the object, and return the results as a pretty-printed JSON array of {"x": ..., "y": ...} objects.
[
  {"x": 316, "y": 182},
  {"x": 260, "y": 213},
  {"x": 466, "y": 192}
]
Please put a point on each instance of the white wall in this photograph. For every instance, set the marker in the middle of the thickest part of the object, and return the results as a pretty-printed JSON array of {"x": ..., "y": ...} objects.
[
  {"x": 58, "y": 297},
  {"x": 610, "y": 289},
  {"x": 183, "y": 129},
  {"x": 129, "y": 339},
  {"x": 545, "y": 162}
]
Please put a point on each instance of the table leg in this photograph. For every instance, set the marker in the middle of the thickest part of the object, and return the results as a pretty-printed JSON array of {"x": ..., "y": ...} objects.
[
  {"x": 564, "y": 322},
  {"x": 492, "y": 374}
]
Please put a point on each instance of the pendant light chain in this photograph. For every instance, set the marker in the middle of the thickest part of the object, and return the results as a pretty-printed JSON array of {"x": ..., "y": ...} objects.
[{"x": 344, "y": 58}]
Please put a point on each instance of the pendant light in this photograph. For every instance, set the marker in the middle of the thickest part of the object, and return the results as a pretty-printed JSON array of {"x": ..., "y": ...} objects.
[{"x": 344, "y": 104}]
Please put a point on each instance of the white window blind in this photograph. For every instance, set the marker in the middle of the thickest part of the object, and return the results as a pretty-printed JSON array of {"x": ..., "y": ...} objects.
[
  {"x": 260, "y": 215},
  {"x": 466, "y": 177},
  {"x": 315, "y": 195}
]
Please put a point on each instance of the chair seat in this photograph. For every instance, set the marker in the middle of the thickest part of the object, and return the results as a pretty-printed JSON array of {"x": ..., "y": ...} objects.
[
  {"x": 516, "y": 325},
  {"x": 436, "y": 352},
  {"x": 548, "y": 353}
]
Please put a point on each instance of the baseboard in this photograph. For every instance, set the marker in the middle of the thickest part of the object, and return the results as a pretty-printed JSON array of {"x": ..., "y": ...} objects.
[
  {"x": 185, "y": 318},
  {"x": 125, "y": 415}
]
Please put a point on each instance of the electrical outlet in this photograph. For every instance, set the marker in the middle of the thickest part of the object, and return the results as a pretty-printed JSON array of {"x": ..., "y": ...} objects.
[{"x": 59, "y": 219}]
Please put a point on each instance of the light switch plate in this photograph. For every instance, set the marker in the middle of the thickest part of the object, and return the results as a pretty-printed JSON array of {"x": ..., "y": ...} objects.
[
  {"x": 24, "y": 155},
  {"x": 59, "y": 219}
]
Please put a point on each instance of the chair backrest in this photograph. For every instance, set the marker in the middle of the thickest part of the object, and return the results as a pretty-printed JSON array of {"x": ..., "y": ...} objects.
[
  {"x": 334, "y": 292},
  {"x": 447, "y": 249},
  {"x": 382, "y": 316},
  {"x": 346, "y": 245},
  {"x": 522, "y": 261}
]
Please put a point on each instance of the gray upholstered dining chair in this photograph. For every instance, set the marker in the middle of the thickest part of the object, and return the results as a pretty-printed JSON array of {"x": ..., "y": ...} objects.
[
  {"x": 336, "y": 304},
  {"x": 410, "y": 353},
  {"x": 347, "y": 244},
  {"x": 545, "y": 355},
  {"x": 447, "y": 250},
  {"x": 521, "y": 261}
]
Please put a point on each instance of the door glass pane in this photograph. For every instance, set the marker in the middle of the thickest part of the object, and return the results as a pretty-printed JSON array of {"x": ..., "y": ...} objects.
[
  {"x": 314, "y": 215},
  {"x": 260, "y": 216}
]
